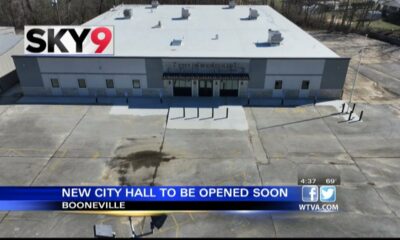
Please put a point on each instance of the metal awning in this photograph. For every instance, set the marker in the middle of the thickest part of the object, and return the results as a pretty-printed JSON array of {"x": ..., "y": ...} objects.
[{"x": 205, "y": 76}]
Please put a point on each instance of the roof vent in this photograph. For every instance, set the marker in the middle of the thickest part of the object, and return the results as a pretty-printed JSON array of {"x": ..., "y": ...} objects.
[
  {"x": 154, "y": 3},
  {"x": 185, "y": 13},
  {"x": 158, "y": 25},
  {"x": 274, "y": 37},
  {"x": 176, "y": 43},
  {"x": 253, "y": 14},
  {"x": 127, "y": 13},
  {"x": 232, "y": 4}
]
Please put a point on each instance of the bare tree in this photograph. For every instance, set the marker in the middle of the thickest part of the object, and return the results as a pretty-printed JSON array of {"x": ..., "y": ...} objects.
[
  {"x": 100, "y": 6},
  {"x": 68, "y": 12},
  {"x": 32, "y": 14},
  {"x": 345, "y": 14}
]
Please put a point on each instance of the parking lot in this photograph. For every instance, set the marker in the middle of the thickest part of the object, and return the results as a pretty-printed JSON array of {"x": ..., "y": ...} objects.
[
  {"x": 50, "y": 144},
  {"x": 43, "y": 142}
]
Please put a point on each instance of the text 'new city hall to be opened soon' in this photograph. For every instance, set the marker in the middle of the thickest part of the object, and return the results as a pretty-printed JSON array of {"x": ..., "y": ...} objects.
[{"x": 193, "y": 50}]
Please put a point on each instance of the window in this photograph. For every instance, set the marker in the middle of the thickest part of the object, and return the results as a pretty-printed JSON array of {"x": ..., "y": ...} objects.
[
  {"x": 183, "y": 83},
  {"x": 229, "y": 85},
  {"x": 226, "y": 84},
  {"x": 136, "y": 83},
  {"x": 305, "y": 84},
  {"x": 55, "y": 83},
  {"x": 235, "y": 84},
  {"x": 278, "y": 84},
  {"x": 82, "y": 83},
  {"x": 110, "y": 83}
]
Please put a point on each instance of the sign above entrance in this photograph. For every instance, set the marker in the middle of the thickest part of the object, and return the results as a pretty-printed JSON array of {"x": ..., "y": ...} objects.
[
  {"x": 218, "y": 67},
  {"x": 199, "y": 76}
]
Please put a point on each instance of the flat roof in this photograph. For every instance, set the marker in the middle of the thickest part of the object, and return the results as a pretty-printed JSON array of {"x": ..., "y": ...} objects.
[
  {"x": 8, "y": 41},
  {"x": 238, "y": 37}
]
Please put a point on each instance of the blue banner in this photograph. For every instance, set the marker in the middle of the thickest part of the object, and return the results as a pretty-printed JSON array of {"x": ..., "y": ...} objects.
[
  {"x": 145, "y": 193},
  {"x": 150, "y": 198}
]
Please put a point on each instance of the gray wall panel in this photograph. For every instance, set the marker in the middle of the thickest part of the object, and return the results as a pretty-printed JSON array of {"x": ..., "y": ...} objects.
[
  {"x": 295, "y": 66},
  {"x": 28, "y": 71},
  {"x": 334, "y": 73},
  {"x": 257, "y": 73},
  {"x": 154, "y": 70},
  {"x": 92, "y": 65},
  {"x": 8, "y": 81}
]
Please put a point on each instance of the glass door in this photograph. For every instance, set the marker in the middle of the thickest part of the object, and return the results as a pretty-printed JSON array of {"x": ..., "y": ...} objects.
[
  {"x": 183, "y": 88},
  {"x": 229, "y": 88},
  {"x": 205, "y": 88}
]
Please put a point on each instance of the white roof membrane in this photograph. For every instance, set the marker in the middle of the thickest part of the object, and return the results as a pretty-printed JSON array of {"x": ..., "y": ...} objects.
[{"x": 238, "y": 37}]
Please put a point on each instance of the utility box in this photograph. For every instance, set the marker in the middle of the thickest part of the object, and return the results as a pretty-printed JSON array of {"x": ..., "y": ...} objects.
[
  {"x": 154, "y": 4},
  {"x": 274, "y": 37},
  {"x": 232, "y": 4},
  {"x": 185, "y": 13},
  {"x": 127, "y": 13},
  {"x": 253, "y": 14}
]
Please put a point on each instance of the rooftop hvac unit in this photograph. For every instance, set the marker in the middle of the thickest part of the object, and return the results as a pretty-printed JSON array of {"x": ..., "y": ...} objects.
[
  {"x": 274, "y": 37},
  {"x": 232, "y": 4},
  {"x": 253, "y": 14},
  {"x": 185, "y": 13},
  {"x": 154, "y": 4},
  {"x": 127, "y": 13}
]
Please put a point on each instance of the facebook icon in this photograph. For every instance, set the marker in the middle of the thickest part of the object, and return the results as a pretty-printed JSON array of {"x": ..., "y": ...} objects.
[{"x": 309, "y": 193}]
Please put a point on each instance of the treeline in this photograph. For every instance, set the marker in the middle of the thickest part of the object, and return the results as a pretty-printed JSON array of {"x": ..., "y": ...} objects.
[
  {"x": 18, "y": 13},
  {"x": 339, "y": 15},
  {"x": 342, "y": 15}
]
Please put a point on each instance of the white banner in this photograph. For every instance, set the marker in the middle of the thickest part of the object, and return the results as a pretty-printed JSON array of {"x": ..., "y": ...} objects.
[{"x": 69, "y": 40}]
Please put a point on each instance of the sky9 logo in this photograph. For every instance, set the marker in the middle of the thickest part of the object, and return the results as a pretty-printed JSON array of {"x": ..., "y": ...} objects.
[{"x": 69, "y": 40}]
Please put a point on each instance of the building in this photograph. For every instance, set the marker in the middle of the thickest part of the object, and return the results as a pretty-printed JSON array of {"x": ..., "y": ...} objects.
[
  {"x": 391, "y": 6},
  {"x": 194, "y": 50},
  {"x": 10, "y": 44},
  {"x": 373, "y": 15}
]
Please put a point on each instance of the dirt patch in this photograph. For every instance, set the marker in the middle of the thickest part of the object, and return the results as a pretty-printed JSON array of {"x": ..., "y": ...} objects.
[
  {"x": 379, "y": 60},
  {"x": 125, "y": 165},
  {"x": 366, "y": 90}
]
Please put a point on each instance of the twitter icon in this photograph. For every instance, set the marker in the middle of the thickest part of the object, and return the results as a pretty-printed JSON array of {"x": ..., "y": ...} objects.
[{"x": 327, "y": 194}]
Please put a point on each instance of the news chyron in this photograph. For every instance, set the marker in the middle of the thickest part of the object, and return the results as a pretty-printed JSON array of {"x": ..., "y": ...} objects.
[{"x": 69, "y": 40}]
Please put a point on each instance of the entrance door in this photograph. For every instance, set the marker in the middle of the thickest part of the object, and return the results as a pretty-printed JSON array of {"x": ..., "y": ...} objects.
[
  {"x": 229, "y": 88},
  {"x": 205, "y": 88},
  {"x": 183, "y": 88}
]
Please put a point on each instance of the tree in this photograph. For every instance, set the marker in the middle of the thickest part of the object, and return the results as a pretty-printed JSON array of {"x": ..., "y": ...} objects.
[{"x": 100, "y": 7}]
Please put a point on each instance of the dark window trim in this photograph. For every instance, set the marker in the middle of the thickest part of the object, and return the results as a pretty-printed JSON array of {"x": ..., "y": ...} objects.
[
  {"x": 84, "y": 83},
  {"x": 55, "y": 83},
  {"x": 112, "y": 83},
  {"x": 278, "y": 87},
  {"x": 133, "y": 83},
  {"x": 305, "y": 82}
]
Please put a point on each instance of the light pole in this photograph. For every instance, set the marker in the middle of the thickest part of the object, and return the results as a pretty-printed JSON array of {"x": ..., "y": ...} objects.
[{"x": 358, "y": 68}]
